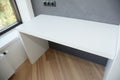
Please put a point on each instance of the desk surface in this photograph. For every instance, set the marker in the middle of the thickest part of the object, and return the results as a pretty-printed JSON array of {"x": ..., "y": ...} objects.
[{"x": 94, "y": 37}]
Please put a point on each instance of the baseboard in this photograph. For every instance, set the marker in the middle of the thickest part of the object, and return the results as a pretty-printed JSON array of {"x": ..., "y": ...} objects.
[{"x": 81, "y": 54}]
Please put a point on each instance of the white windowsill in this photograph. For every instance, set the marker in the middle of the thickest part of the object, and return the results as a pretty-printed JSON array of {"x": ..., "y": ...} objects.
[{"x": 8, "y": 38}]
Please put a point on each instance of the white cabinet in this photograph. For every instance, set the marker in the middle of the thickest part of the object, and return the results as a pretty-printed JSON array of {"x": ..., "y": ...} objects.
[
  {"x": 15, "y": 53},
  {"x": 6, "y": 69},
  {"x": 12, "y": 60}
]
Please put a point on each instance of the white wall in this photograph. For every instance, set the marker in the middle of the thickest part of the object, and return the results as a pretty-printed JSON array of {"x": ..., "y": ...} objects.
[{"x": 25, "y": 9}]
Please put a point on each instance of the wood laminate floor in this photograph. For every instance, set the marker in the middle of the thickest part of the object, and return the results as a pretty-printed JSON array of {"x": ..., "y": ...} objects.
[{"x": 56, "y": 65}]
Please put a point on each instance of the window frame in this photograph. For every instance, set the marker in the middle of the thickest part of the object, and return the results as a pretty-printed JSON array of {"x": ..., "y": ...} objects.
[{"x": 17, "y": 15}]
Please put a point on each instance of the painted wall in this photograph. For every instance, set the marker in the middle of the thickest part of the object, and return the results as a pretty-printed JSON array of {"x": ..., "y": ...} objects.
[{"x": 107, "y": 11}]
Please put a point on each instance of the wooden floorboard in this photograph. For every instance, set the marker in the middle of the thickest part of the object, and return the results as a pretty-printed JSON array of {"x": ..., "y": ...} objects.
[{"x": 56, "y": 65}]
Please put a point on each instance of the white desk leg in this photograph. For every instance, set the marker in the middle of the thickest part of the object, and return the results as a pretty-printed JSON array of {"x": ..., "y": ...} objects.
[
  {"x": 34, "y": 46},
  {"x": 113, "y": 67},
  {"x": 112, "y": 71}
]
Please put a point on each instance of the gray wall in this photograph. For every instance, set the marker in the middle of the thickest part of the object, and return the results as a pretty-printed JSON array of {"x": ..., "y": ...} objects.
[{"x": 107, "y": 11}]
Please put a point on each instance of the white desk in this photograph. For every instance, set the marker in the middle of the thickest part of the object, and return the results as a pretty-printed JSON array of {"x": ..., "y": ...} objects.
[{"x": 97, "y": 38}]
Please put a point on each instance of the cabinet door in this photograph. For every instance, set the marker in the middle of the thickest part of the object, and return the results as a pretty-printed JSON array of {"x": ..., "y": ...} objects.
[
  {"x": 6, "y": 69},
  {"x": 15, "y": 53}
]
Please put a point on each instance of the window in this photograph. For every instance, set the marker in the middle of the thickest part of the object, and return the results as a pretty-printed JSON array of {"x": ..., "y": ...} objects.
[{"x": 9, "y": 15}]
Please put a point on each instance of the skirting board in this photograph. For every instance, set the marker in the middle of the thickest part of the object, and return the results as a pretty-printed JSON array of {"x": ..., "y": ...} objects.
[{"x": 85, "y": 55}]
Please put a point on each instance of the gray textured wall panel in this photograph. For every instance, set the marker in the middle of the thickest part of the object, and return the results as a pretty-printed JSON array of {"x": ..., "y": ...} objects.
[{"x": 107, "y": 11}]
